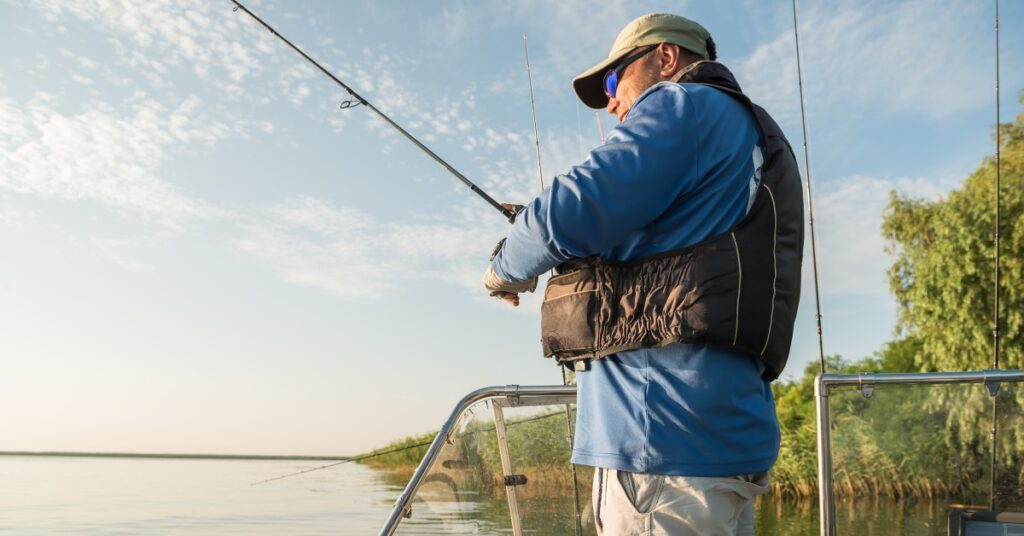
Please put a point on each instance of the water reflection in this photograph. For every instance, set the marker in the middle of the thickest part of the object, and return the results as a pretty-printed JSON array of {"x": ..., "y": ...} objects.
[
  {"x": 100, "y": 496},
  {"x": 43, "y": 496},
  {"x": 468, "y": 513}
]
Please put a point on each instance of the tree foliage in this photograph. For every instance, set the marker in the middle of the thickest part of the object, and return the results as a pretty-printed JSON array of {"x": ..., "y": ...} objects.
[
  {"x": 942, "y": 276},
  {"x": 943, "y": 280}
]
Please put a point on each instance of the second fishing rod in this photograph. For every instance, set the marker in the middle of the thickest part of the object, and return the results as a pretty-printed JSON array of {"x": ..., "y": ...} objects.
[{"x": 359, "y": 100}]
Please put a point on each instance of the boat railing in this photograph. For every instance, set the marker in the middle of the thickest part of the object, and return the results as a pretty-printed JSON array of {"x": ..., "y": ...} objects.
[
  {"x": 499, "y": 399},
  {"x": 868, "y": 427},
  {"x": 961, "y": 393}
]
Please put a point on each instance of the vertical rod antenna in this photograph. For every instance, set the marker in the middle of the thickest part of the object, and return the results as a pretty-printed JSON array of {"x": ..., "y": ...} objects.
[
  {"x": 533, "y": 110},
  {"x": 565, "y": 380},
  {"x": 810, "y": 202},
  {"x": 995, "y": 306},
  {"x": 999, "y": 142}
]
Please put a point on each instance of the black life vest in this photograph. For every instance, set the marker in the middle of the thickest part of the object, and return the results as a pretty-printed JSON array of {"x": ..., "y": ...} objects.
[{"x": 737, "y": 290}]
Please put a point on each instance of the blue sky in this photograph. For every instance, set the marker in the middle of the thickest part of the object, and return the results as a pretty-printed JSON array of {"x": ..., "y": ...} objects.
[{"x": 202, "y": 253}]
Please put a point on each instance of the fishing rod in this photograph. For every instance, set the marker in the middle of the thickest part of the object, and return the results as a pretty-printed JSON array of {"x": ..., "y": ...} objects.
[
  {"x": 810, "y": 202},
  {"x": 357, "y": 100},
  {"x": 565, "y": 380}
]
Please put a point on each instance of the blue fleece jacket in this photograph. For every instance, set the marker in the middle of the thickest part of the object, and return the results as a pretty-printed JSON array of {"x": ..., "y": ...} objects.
[{"x": 682, "y": 167}]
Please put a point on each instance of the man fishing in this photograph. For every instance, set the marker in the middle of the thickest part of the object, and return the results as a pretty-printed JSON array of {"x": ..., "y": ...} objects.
[{"x": 678, "y": 243}]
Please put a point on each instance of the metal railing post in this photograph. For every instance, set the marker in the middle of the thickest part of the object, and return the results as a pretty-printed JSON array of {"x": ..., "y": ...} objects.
[
  {"x": 506, "y": 467},
  {"x": 526, "y": 396},
  {"x": 826, "y": 502}
]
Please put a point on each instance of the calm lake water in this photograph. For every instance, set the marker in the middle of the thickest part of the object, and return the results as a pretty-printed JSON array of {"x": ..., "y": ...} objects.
[
  {"x": 55, "y": 495},
  {"x": 50, "y": 495}
]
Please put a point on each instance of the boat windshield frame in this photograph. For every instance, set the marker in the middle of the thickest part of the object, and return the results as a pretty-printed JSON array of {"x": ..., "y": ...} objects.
[
  {"x": 511, "y": 396},
  {"x": 500, "y": 397},
  {"x": 866, "y": 382}
]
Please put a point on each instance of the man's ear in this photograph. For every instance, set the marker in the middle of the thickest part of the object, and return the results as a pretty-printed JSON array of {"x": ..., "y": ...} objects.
[{"x": 669, "y": 56}]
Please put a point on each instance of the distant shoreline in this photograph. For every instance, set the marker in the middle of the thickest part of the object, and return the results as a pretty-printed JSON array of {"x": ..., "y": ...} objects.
[{"x": 56, "y": 454}]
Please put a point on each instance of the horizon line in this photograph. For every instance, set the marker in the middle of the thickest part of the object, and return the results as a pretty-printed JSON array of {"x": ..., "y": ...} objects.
[{"x": 181, "y": 456}]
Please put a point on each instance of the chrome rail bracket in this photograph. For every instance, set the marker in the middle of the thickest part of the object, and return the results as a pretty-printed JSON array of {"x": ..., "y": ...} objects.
[
  {"x": 513, "y": 395},
  {"x": 992, "y": 385},
  {"x": 867, "y": 389}
]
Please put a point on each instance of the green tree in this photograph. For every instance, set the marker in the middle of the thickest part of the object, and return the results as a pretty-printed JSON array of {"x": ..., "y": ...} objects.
[
  {"x": 942, "y": 275},
  {"x": 942, "y": 278}
]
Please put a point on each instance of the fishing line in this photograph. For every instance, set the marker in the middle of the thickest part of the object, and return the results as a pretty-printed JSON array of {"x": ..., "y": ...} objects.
[
  {"x": 400, "y": 449},
  {"x": 346, "y": 460},
  {"x": 565, "y": 380},
  {"x": 995, "y": 306},
  {"x": 357, "y": 100},
  {"x": 810, "y": 203}
]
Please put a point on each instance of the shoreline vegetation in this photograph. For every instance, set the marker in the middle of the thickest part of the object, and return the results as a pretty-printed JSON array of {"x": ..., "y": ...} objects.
[
  {"x": 900, "y": 444},
  {"x": 903, "y": 441}
]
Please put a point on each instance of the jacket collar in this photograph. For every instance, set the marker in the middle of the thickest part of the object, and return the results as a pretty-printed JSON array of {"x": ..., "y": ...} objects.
[{"x": 708, "y": 72}]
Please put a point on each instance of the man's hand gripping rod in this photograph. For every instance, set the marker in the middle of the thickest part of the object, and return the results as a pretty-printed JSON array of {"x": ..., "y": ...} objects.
[{"x": 508, "y": 213}]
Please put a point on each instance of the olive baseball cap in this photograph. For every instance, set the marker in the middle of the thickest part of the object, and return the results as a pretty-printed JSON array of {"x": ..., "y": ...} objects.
[{"x": 650, "y": 29}]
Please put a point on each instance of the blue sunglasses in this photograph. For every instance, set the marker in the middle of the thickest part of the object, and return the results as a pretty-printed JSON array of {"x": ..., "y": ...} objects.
[{"x": 611, "y": 78}]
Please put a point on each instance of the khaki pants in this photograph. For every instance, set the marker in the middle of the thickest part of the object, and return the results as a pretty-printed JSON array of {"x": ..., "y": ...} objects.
[{"x": 628, "y": 504}]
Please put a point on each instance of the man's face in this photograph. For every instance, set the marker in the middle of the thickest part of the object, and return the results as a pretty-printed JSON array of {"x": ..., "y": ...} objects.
[{"x": 637, "y": 77}]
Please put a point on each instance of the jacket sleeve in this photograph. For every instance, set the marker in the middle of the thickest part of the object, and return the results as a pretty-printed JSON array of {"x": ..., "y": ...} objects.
[{"x": 646, "y": 163}]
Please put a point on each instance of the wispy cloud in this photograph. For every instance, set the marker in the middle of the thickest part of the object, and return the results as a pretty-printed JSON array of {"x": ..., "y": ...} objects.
[
  {"x": 449, "y": 117},
  {"x": 99, "y": 156},
  {"x": 160, "y": 34},
  {"x": 112, "y": 153},
  {"x": 560, "y": 48},
  {"x": 856, "y": 55},
  {"x": 453, "y": 25},
  {"x": 165, "y": 41},
  {"x": 346, "y": 252},
  {"x": 875, "y": 58},
  {"x": 848, "y": 219},
  {"x": 12, "y": 217},
  {"x": 349, "y": 253},
  {"x": 570, "y": 46},
  {"x": 121, "y": 252},
  {"x": 312, "y": 243}
]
